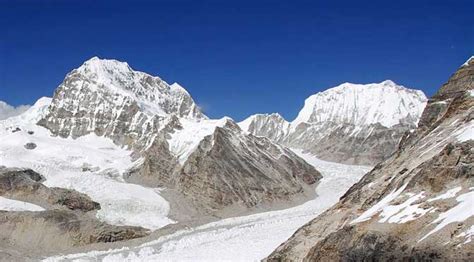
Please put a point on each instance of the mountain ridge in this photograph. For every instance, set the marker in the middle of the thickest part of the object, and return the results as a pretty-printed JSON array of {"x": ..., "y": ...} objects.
[
  {"x": 162, "y": 124},
  {"x": 349, "y": 123},
  {"x": 411, "y": 206}
]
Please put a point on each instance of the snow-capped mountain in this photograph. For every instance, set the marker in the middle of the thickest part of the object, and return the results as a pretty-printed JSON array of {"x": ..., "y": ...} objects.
[
  {"x": 350, "y": 123},
  {"x": 144, "y": 152},
  {"x": 108, "y": 98},
  {"x": 385, "y": 103},
  {"x": 417, "y": 204},
  {"x": 173, "y": 140},
  {"x": 273, "y": 126}
]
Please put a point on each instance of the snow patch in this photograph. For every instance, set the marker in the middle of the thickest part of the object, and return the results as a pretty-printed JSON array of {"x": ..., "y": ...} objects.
[
  {"x": 449, "y": 194},
  {"x": 468, "y": 61},
  {"x": 379, "y": 206},
  {"x": 467, "y": 235},
  {"x": 404, "y": 212},
  {"x": 467, "y": 133},
  {"x": 15, "y": 205},
  {"x": 183, "y": 142},
  {"x": 462, "y": 211}
]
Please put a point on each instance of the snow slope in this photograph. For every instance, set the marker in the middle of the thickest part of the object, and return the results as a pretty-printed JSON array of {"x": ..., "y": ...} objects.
[
  {"x": 90, "y": 164},
  {"x": 184, "y": 141},
  {"x": 15, "y": 205},
  {"x": 386, "y": 103},
  {"x": 248, "y": 238}
]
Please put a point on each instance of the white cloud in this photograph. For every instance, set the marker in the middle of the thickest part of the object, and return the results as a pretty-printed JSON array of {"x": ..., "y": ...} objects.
[{"x": 7, "y": 110}]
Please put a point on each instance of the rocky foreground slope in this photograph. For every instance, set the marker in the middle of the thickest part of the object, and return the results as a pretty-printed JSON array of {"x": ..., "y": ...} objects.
[
  {"x": 350, "y": 123},
  {"x": 416, "y": 205},
  {"x": 62, "y": 218},
  {"x": 205, "y": 165}
]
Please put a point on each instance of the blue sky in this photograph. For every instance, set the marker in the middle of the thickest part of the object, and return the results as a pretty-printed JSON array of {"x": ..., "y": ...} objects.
[{"x": 237, "y": 58}]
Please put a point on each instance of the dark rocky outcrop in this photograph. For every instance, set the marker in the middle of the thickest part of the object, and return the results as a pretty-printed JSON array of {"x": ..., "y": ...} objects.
[
  {"x": 68, "y": 220},
  {"x": 30, "y": 146},
  {"x": 58, "y": 230},
  {"x": 25, "y": 185}
]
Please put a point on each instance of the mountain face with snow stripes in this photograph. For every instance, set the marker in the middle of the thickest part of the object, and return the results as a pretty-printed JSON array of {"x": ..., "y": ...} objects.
[{"x": 350, "y": 123}]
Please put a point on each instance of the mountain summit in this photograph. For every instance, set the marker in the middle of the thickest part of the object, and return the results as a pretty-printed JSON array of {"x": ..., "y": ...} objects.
[
  {"x": 174, "y": 144},
  {"x": 151, "y": 93},
  {"x": 350, "y": 123},
  {"x": 109, "y": 98},
  {"x": 385, "y": 103}
]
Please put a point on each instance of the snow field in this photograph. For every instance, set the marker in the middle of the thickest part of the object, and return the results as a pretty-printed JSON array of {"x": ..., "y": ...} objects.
[
  {"x": 90, "y": 164},
  {"x": 247, "y": 238}
]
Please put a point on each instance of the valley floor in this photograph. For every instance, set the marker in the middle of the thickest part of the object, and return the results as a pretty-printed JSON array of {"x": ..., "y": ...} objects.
[{"x": 247, "y": 238}]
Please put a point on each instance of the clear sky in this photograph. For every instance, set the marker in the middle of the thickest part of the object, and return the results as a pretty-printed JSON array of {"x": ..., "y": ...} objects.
[{"x": 237, "y": 58}]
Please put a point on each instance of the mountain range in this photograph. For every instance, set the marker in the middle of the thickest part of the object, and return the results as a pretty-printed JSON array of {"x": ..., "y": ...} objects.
[
  {"x": 117, "y": 154},
  {"x": 350, "y": 123}
]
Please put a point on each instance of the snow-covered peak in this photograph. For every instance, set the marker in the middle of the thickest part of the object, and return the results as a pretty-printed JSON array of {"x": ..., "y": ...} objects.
[
  {"x": 388, "y": 82},
  {"x": 261, "y": 119},
  {"x": 110, "y": 78},
  {"x": 386, "y": 103}
]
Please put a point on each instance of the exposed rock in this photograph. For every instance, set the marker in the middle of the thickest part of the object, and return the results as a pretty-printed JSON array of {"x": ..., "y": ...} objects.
[
  {"x": 397, "y": 211},
  {"x": 30, "y": 146},
  {"x": 228, "y": 170},
  {"x": 66, "y": 222},
  {"x": 222, "y": 168},
  {"x": 25, "y": 185},
  {"x": 57, "y": 230},
  {"x": 226, "y": 159},
  {"x": 108, "y": 98}
]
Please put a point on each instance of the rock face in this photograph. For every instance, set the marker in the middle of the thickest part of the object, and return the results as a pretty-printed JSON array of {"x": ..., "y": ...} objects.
[
  {"x": 350, "y": 123},
  {"x": 225, "y": 159},
  {"x": 108, "y": 98},
  {"x": 65, "y": 223},
  {"x": 25, "y": 185},
  {"x": 211, "y": 164},
  {"x": 57, "y": 230},
  {"x": 417, "y": 204}
]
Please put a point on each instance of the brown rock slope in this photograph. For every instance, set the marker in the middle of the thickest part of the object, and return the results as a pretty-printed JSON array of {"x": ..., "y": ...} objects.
[
  {"x": 67, "y": 221},
  {"x": 228, "y": 173},
  {"x": 418, "y": 205}
]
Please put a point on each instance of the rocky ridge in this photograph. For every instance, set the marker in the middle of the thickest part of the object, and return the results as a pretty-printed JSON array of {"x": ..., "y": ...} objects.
[
  {"x": 66, "y": 221},
  {"x": 416, "y": 205}
]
